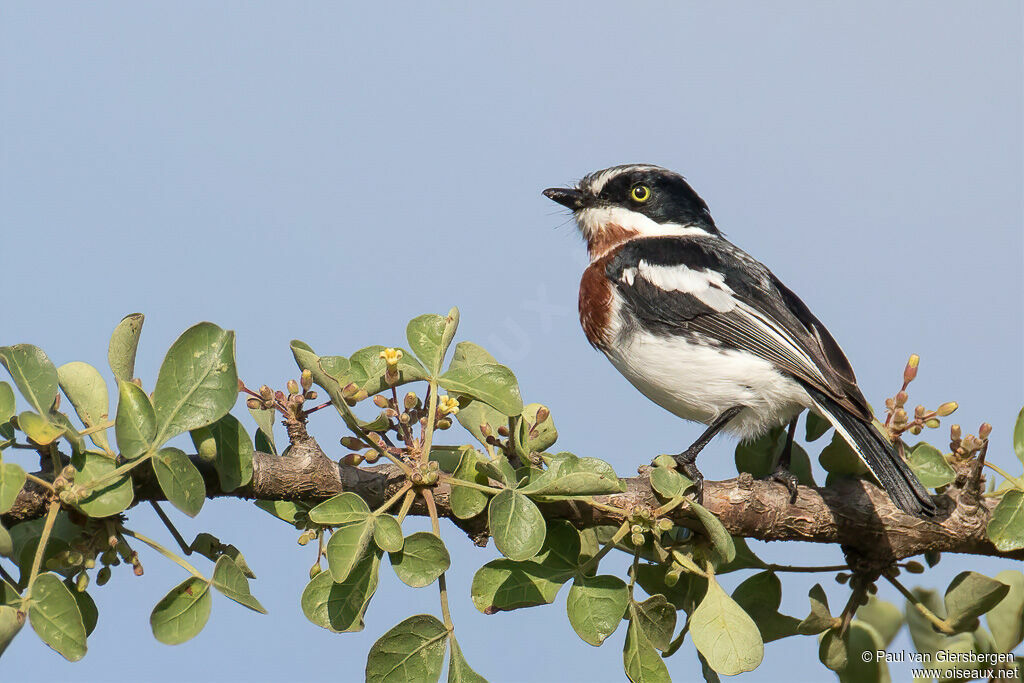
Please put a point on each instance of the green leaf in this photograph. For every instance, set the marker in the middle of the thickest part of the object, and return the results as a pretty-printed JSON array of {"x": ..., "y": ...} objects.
[
  {"x": 760, "y": 597},
  {"x": 503, "y": 585},
  {"x": 33, "y": 374},
  {"x": 516, "y": 524},
  {"x": 833, "y": 650},
  {"x": 387, "y": 534},
  {"x": 745, "y": 558},
  {"x": 366, "y": 369},
  {"x": 568, "y": 475},
  {"x": 87, "y": 608},
  {"x": 816, "y": 426},
  {"x": 466, "y": 502},
  {"x": 884, "y": 617},
  {"x": 85, "y": 388},
  {"x": 229, "y": 580},
  {"x": 7, "y": 403},
  {"x": 725, "y": 634},
  {"x": 1018, "y": 437},
  {"x": 421, "y": 560},
  {"x": 760, "y": 457},
  {"x": 927, "y": 640},
  {"x": 183, "y": 612},
  {"x": 12, "y": 480},
  {"x": 135, "y": 423},
  {"x": 930, "y": 466},
  {"x": 840, "y": 460},
  {"x": 863, "y": 637},
  {"x": 342, "y": 508},
  {"x": 458, "y": 669},
  {"x": 498, "y": 469},
  {"x": 474, "y": 414},
  {"x": 534, "y": 437},
  {"x": 283, "y": 509},
  {"x": 685, "y": 594},
  {"x": 641, "y": 661},
  {"x": 474, "y": 373},
  {"x": 38, "y": 428},
  {"x": 429, "y": 337},
  {"x": 6, "y": 545},
  {"x": 180, "y": 481},
  {"x": 55, "y": 618},
  {"x": 411, "y": 651},
  {"x": 820, "y": 618},
  {"x": 970, "y": 595},
  {"x": 595, "y": 606},
  {"x": 656, "y": 618},
  {"x": 1006, "y": 620},
  {"x": 348, "y": 545},
  {"x": 339, "y": 607},
  {"x": 197, "y": 383},
  {"x": 265, "y": 421},
  {"x": 123, "y": 345},
  {"x": 110, "y": 498},
  {"x": 669, "y": 483},
  {"x": 720, "y": 538},
  {"x": 1006, "y": 528},
  {"x": 11, "y": 621},
  {"x": 233, "y": 449}
]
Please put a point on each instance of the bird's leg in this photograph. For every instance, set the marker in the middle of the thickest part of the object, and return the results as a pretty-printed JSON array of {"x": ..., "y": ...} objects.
[
  {"x": 782, "y": 474},
  {"x": 686, "y": 460}
]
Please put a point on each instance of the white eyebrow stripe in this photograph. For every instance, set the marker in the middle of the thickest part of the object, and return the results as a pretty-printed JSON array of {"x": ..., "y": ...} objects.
[
  {"x": 597, "y": 183},
  {"x": 707, "y": 286}
]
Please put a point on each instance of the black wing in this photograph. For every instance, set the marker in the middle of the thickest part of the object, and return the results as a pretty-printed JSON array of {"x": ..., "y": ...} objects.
[{"x": 697, "y": 285}]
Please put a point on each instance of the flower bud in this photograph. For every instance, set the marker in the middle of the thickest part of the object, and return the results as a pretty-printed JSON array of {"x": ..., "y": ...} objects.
[
  {"x": 984, "y": 430},
  {"x": 932, "y": 423},
  {"x": 310, "y": 395},
  {"x": 266, "y": 392},
  {"x": 89, "y": 563},
  {"x": 410, "y": 401},
  {"x": 485, "y": 429},
  {"x": 82, "y": 582},
  {"x": 954, "y": 433},
  {"x": 916, "y": 429},
  {"x": 102, "y": 576},
  {"x": 293, "y": 387},
  {"x": 636, "y": 529},
  {"x": 842, "y": 577},
  {"x": 946, "y": 408},
  {"x": 350, "y": 390},
  {"x": 137, "y": 569},
  {"x": 914, "y": 567},
  {"x": 444, "y": 423},
  {"x": 901, "y": 398},
  {"x": 352, "y": 460},
  {"x": 380, "y": 401},
  {"x": 253, "y": 404},
  {"x": 389, "y": 412},
  {"x": 361, "y": 395},
  {"x": 910, "y": 372},
  {"x": 315, "y": 570},
  {"x": 503, "y": 430},
  {"x": 665, "y": 524},
  {"x": 68, "y": 472},
  {"x": 638, "y": 539},
  {"x": 351, "y": 442},
  {"x": 303, "y": 539},
  {"x": 919, "y": 412},
  {"x": 371, "y": 456},
  {"x": 672, "y": 575},
  {"x": 75, "y": 558},
  {"x": 899, "y": 418},
  {"x": 404, "y": 418},
  {"x": 306, "y": 379}
]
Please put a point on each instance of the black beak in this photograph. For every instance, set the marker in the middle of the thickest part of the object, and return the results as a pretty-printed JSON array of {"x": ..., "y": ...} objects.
[{"x": 566, "y": 196}]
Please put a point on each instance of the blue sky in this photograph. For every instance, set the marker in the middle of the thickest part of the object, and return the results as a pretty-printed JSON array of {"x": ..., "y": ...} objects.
[{"x": 327, "y": 171}]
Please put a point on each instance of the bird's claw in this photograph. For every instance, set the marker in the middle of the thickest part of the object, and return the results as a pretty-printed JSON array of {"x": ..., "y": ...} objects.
[
  {"x": 787, "y": 479},
  {"x": 686, "y": 463}
]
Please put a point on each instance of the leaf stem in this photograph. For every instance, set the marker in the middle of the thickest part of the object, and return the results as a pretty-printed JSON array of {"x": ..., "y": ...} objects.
[
  {"x": 406, "y": 504},
  {"x": 44, "y": 538},
  {"x": 620, "y": 534},
  {"x": 428, "y": 498},
  {"x": 807, "y": 570},
  {"x": 604, "y": 506},
  {"x": 925, "y": 612},
  {"x": 37, "y": 480},
  {"x": 96, "y": 428},
  {"x": 1013, "y": 480},
  {"x": 455, "y": 481},
  {"x": 166, "y": 553},
  {"x": 185, "y": 548},
  {"x": 428, "y": 430},
  {"x": 119, "y": 471},
  {"x": 391, "y": 501}
]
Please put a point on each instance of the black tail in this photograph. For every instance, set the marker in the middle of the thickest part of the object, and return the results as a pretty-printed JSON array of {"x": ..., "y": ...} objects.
[{"x": 878, "y": 454}]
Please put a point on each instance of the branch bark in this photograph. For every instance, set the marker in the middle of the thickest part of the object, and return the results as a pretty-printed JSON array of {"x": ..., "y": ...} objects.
[{"x": 852, "y": 513}]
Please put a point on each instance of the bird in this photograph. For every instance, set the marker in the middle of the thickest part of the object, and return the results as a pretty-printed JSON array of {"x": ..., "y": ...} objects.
[{"x": 709, "y": 333}]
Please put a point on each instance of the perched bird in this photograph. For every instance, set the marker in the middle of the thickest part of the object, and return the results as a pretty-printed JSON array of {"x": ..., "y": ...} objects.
[{"x": 706, "y": 331}]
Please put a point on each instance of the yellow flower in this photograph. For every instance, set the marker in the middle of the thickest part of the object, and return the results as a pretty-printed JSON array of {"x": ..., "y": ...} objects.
[
  {"x": 391, "y": 356},
  {"x": 447, "y": 404}
]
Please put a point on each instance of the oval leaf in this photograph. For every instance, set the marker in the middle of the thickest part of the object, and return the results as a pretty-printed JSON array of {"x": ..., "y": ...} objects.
[
  {"x": 11, "y": 621},
  {"x": 109, "y": 498},
  {"x": 970, "y": 595},
  {"x": 33, "y": 374},
  {"x": 516, "y": 524},
  {"x": 233, "y": 449},
  {"x": 1006, "y": 620},
  {"x": 197, "y": 383},
  {"x": 342, "y": 508},
  {"x": 411, "y": 651},
  {"x": 339, "y": 607},
  {"x": 387, "y": 534},
  {"x": 348, "y": 546},
  {"x": 503, "y": 585},
  {"x": 183, "y": 612},
  {"x": 474, "y": 373},
  {"x": 596, "y": 605},
  {"x": 459, "y": 670},
  {"x": 12, "y": 479},
  {"x": 1006, "y": 528},
  {"x": 124, "y": 342},
  {"x": 180, "y": 481},
  {"x": 54, "y": 616},
  {"x": 466, "y": 502},
  {"x": 231, "y": 581},
  {"x": 930, "y": 467},
  {"x": 135, "y": 423},
  {"x": 7, "y": 404},
  {"x": 642, "y": 662},
  {"x": 720, "y": 538},
  {"x": 85, "y": 388},
  {"x": 725, "y": 634},
  {"x": 421, "y": 560},
  {"x": 429, "y": 336}
]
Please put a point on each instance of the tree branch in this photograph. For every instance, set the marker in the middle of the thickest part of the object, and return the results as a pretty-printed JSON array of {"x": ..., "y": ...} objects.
[{"x": 852, "y": 513}]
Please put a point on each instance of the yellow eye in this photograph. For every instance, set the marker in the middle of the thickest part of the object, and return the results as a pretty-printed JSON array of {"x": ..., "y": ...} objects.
[{"x": 641, "y": 193}]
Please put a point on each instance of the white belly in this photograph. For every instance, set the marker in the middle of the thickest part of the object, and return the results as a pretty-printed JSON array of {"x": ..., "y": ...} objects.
[{"x": 700, "y": 383}]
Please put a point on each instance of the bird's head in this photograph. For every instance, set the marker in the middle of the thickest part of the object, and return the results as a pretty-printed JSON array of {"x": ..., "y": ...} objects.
[{"x": 635, "y": 200}]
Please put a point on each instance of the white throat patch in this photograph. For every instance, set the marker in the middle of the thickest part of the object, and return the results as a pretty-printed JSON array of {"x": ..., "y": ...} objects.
[{"x": 592, "y": 222}]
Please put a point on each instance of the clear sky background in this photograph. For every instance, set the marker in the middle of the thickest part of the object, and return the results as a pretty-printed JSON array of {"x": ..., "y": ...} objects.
[{"x": 327, "y": 171}]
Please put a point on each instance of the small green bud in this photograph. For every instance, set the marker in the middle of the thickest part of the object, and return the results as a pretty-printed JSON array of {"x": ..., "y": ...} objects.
[
  {"x": 75, "y": 558},
  {"x": 380, "y": 401},
  {"x": 254, "y": 404},
  {"x": 901, "y": 398},
  {"x": 371, "y": 456},
  {"x": 932, "y": 423},
  {"x": 665, "y": 461},
  {"x": 984, "y": 430},
  {"x": 102, "y": 576},
  {"x": 310, "y": 395},
  {"x": 665, "y": 524},
  {"x": 842, "y": 577},
  {"x": 351, "y": 442},
  {"x": 954, "y": 433},
  {"x": 672, "y": 575},
  {"x": 636, "y": 529},
  {"x": 433, "y": 466},
  {"x": 485, "y": 429},
  {"x": 89, "y": 563},
  {"x": 444, "y": 423},
  {"x": 914, "y": 567},
  {"x": 68, "y": 473},
  {"x": 405, "y": 418},
  {"x": 303, "y": 538},
  {"x": 306, "y": 379},
  {"x": 315, "y": 570},
  {"x": 910, "y": 372},
  {"x": 919, "y": 411},
  {"x": 293, "y": 387},
  {"x": 947, "y": 408},
  {"x": 638, "y": 539},
  {"x": 352, "y": 460},
  {"x": 410, "y": 401},
  {"x": 82, "y": 582}
]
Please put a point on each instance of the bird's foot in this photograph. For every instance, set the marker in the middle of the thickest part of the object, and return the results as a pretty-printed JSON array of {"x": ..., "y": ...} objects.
[
  {"x": 686, "y": 462},
  {"x": 783, "y": 476}
]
